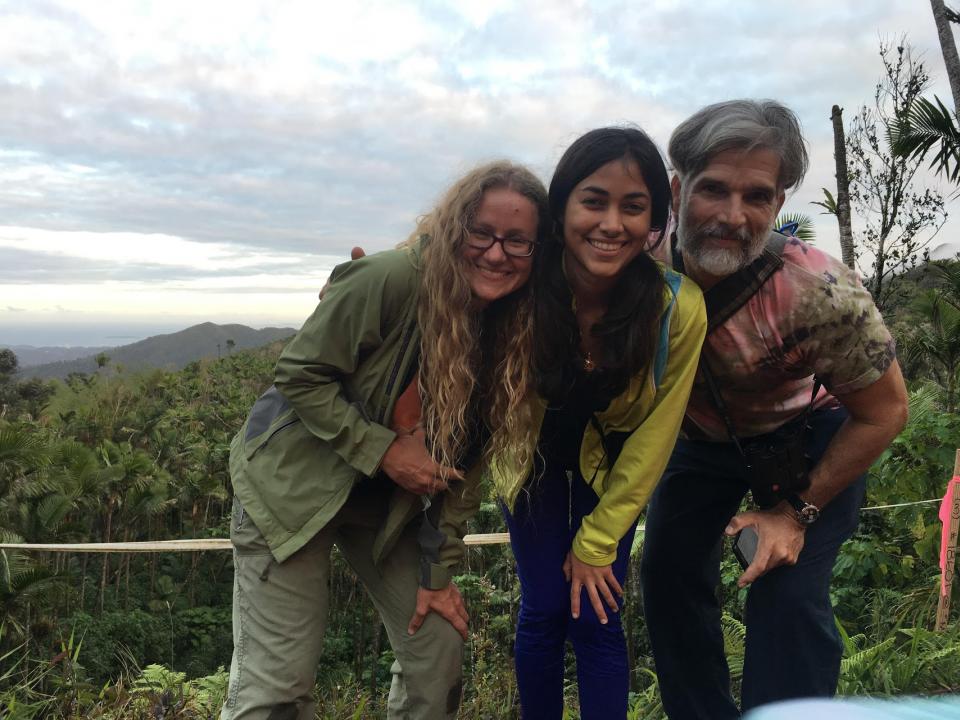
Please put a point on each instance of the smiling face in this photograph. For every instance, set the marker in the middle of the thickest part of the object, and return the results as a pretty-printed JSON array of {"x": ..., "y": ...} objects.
[
  {"x": 493, "y": 274},
  {"x": 726, "y": 211},
  {"x": 605, "y": 223}
]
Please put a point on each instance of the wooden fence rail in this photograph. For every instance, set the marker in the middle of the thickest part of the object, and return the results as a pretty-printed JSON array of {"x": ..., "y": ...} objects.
[{"x": 188, "y": 545}]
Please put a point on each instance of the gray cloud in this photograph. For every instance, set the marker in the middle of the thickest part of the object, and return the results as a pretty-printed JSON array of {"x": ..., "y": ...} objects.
[
  {"x": 23, "y": 267},
  {"x": 165, "y": 145}
]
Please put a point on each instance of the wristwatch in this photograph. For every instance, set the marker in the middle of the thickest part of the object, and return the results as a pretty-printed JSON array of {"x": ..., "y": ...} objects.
[{"x": 807, "y": 513}]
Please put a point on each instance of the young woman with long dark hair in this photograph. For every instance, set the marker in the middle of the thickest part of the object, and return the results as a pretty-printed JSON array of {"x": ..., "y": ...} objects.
[{"x": 617, "y": 340}]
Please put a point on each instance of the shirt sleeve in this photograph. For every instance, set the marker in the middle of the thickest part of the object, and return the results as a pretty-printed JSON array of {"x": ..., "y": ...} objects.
[
  {"x": 358, "y": 309},
  {"x": 646, "y": 451},
  {"x": 837, "y": 327}
]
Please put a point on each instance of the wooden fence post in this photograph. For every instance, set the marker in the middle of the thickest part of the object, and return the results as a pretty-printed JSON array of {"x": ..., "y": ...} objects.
[{"x": 943, "y": 606}]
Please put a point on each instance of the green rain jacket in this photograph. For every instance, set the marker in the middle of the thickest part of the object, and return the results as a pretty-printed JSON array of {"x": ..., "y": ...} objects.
[{"x": 323, "y": 426}]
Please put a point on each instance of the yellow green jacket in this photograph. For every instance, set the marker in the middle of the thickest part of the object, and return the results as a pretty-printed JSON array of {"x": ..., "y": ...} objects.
[{"x": 650, "y": 410}]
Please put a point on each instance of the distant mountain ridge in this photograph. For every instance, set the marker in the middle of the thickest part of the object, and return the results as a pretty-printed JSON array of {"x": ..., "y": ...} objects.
[
  {"x": 946, "y": 251},
  {"x": 172, "y": 351},
  {"x": 31, "y": 355}
]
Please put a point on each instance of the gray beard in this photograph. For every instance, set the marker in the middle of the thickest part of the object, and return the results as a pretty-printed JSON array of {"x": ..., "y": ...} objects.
[{"x": 719, "y": 261}]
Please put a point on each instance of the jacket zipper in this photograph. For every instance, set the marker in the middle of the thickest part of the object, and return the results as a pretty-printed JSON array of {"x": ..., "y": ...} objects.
[
  {"x": 395, "y": 372},
  {"x": 262, "y": 445}
]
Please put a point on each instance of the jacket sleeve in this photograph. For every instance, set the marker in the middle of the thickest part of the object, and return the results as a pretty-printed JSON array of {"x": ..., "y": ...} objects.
[
  {"x": 347, "y": 324},
  {"x": 443, "y": 527},
  {"x": 646, "y": 451}
]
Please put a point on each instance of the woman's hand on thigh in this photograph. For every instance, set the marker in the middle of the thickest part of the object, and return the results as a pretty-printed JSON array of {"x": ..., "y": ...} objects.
[
  {"x": 447, "y": 603},
  {"x": 599, "y": 581}
]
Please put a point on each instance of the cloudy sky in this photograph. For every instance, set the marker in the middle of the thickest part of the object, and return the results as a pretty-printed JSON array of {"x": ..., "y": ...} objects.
[{"x": 170, "y": 162}]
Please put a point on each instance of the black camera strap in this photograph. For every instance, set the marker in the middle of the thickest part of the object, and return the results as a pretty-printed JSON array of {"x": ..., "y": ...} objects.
[
  {"x": 724, "y": 299},
  {"x": 732, "y": 293},
  {"x": 800, "y": 420}
]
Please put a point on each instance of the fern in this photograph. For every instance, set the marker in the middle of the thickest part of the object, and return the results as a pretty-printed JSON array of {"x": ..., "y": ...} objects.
[
  {"x": 856, "y": 669},
  {"x": 734, "y": 644}
]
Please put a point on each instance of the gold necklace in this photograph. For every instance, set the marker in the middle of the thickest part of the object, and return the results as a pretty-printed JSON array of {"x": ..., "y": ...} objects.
[{"x": 588, "y": 364}]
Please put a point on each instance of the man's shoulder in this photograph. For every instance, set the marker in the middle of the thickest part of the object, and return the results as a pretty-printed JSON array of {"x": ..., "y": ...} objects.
[
  {"x": 804, "y": 262},
  {"x": 813, "y": 280}
]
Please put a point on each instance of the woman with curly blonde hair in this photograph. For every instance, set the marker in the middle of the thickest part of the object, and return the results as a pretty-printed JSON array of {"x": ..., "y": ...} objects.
[{"x": 414, "y": 368}]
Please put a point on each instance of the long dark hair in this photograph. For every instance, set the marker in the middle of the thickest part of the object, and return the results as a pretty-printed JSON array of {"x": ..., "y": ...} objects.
[{"x": 628, "y": 330}]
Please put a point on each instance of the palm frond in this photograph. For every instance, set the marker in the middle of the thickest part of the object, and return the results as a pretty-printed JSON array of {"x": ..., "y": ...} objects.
[
  {"x": 796, "y": 224},
  {"x": 924, "y": 401},
  {"x": 829, "y": 203},
  {"x": 928, "y": 127},
  {"x": 23, "y": 447}
]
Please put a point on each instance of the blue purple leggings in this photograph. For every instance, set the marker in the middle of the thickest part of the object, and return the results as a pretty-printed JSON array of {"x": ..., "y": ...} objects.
[{"x": 542, "y": 528}]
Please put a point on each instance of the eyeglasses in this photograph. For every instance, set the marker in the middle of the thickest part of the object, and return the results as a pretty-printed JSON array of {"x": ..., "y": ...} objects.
[{"x": 513, "y": 246}]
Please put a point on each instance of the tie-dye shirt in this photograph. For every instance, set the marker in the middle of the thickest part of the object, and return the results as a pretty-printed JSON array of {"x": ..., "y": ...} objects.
[{"x": 812, "y": 316}]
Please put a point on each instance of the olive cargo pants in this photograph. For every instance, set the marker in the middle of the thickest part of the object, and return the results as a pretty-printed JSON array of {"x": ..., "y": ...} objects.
[{"x": 280, "y": 611}]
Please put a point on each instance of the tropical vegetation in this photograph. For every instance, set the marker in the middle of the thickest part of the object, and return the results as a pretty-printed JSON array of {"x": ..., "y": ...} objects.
[{"x": 115, "y": 456}]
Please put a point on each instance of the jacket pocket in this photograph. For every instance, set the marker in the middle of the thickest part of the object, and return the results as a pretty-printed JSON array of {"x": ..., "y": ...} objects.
[
  {"x": 244, "y": 534},
  {"x": 271, "y": 414},
  {"x": 256, "y": 447}
]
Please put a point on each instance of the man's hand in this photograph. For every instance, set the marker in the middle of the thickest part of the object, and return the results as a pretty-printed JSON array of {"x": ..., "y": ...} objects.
[
  {"x": 780, "y": 539},
  {"x": 355, "y": 254},
  {"x": 599, "y": 582},
  {"x": 447, "y": 603},
  {"x": 410, "y": 466}
]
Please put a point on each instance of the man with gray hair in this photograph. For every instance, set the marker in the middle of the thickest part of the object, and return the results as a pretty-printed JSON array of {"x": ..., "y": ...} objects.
[{"x": 799, "y": 392}]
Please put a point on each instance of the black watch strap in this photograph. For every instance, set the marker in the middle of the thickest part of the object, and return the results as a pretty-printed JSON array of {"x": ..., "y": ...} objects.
[{"x": 807, "y": 513}]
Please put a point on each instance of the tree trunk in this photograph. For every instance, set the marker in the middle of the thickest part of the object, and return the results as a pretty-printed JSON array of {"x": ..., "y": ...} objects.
[
  {"x": 194, "y": 557},
  {"x": 126, "y": 596},
  {"x": 375, "y": 654},
  {"x": 119, "y": 581},
  {"x": 843, "y": 189},
  {"x": 359, "y": 643},
  {"x": 949, "y": 48},
  {"x": 83, "y": 580},
  {"x": 105, "y": 569}
]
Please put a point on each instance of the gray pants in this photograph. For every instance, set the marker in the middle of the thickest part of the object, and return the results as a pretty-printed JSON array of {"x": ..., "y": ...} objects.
[{"x": 280, "y": 613}]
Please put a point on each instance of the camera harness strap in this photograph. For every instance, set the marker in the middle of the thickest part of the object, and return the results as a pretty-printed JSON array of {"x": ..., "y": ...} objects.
[{"x": 728, "y": 296}]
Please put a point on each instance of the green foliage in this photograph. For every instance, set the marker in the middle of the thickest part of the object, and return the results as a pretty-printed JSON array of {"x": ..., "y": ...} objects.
[
  {"x": 898, "y": 217},
  {"x": 918, "y": 462},
  {"x": 927, "y": 128},
  {"x": 829, "y": 203},
  {"x": 934, "y": 342},
  {"x": 144, "y": 456},
  {"x": 909, "y": 661}
]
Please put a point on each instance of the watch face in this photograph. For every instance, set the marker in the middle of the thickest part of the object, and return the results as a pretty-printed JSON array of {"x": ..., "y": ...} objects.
[{"x": 808, "y": 514}]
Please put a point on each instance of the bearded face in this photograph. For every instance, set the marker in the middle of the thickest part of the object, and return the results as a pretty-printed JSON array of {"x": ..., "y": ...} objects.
[
  {"x": 727, "y": 210},
  {"x": 717, "y": 248}
]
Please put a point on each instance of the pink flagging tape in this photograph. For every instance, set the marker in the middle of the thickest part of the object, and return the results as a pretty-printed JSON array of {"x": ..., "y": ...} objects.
[{"x": 948, "y": 540}]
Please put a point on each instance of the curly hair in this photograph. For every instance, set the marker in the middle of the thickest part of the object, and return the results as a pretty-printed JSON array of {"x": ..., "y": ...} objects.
[{"x": 475, "y": 365}]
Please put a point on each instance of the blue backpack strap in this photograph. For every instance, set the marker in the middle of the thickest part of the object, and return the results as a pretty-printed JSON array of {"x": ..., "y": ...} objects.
[{"x": 673, "y": 280}]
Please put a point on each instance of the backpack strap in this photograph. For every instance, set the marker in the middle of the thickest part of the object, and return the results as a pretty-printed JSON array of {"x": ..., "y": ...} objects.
[
  {"x": 732, "y": 293},
  {"x": 673, "y": 280}
]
